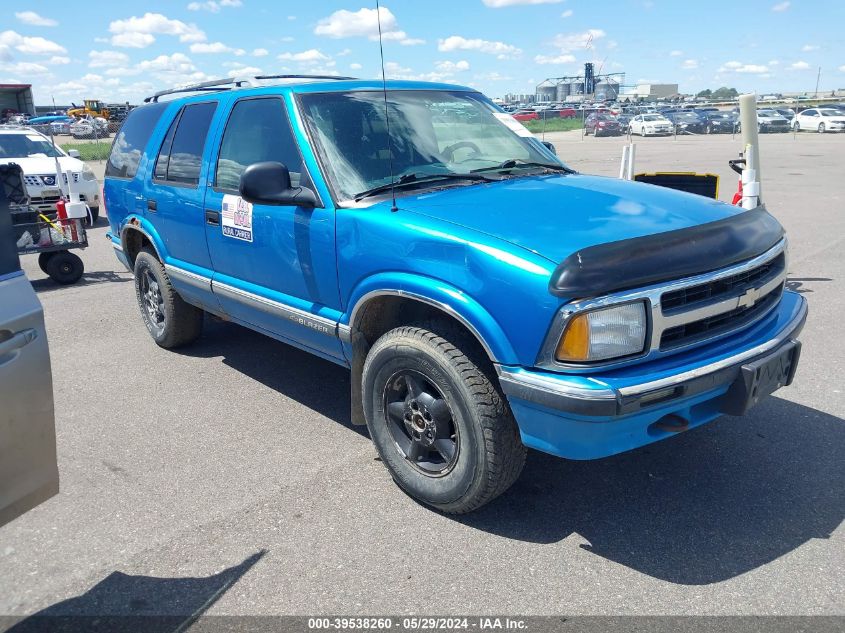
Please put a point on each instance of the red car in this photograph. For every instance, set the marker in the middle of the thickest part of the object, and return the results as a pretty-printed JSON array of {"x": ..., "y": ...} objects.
[
  {"x": 525, "y": 115},
  {"x": 564, "y": 113}
]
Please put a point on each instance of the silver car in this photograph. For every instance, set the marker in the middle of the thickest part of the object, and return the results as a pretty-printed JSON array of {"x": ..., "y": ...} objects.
[{"x": 28, "y": 468}]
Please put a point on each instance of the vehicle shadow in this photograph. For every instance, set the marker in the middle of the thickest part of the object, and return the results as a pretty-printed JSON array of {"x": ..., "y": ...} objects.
[
  {"x": 123, "y": 603},
  {"x": 797, "y": 284},
  {"x": 699, "y": 508},
  {"x": 88, "y": 279},
  {"x": 320, "y": 385}
]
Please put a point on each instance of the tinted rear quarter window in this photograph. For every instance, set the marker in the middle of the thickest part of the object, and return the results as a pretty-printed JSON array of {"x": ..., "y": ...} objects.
[
  {"x": 180, "y": 158},
  {"x": 131, "y": 141},
  {"x": 9, "y": 262}
]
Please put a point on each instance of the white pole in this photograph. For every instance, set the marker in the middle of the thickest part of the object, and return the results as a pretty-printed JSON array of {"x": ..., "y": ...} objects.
[
  {"x": 631, "y": 156},
  {"x": 750, "y": 145},
  {"x": 623, "y": 167}
]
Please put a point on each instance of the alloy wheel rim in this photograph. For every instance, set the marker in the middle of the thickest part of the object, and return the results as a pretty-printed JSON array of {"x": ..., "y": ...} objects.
[
  {"x": 152, "y": 300},
  {"x": 421, "y": 423}
]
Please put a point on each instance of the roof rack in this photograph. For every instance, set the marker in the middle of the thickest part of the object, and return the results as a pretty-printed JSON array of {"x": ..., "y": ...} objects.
[{"x": 236, "y": 82}]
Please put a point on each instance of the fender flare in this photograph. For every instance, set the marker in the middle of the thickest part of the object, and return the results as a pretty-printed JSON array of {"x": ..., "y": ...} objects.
[
  {"x": 143, "y": 226},
  {"x": 441, "y": 295}
]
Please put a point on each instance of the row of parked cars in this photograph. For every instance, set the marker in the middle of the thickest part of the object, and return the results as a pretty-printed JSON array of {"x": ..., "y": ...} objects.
[{"x": 713, "y": 121}]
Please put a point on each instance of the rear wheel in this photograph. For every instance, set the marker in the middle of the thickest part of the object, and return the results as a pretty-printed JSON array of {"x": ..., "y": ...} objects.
[
  {"x": 64, "y": 267},
  {"x": 438, "y": 421},
  {"x": 170, "y": 321}
]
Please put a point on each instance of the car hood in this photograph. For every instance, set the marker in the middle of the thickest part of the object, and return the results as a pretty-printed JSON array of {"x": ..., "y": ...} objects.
[
  {"x": 44, "y": 164},
  {"x": 558, "y": 215}
]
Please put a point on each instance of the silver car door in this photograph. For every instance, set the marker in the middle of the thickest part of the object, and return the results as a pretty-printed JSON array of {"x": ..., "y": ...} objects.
[{"x": 28, "y": 469}]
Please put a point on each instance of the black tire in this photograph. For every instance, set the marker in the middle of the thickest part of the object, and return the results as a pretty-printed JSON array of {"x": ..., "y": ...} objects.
[
  {"x": 43, "y": 258},
  {"x": 709, "y": 129},
  {"x": 822, "y": 128},
  {"x": 170, "y": 321},
  {"x": 467, "y": 449},
  {"x": 64, "y": 267}
]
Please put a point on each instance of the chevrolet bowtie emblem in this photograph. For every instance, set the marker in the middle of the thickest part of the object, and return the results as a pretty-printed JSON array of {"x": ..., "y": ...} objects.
[{"x": 748, "y": 298}]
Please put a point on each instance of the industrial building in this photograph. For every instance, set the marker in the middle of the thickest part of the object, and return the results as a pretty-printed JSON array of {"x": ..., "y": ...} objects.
[{"x": 599, "y": 87}]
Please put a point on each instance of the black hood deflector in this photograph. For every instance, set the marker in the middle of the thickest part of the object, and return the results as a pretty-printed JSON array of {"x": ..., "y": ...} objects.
[{"x": 642, "y": 261}]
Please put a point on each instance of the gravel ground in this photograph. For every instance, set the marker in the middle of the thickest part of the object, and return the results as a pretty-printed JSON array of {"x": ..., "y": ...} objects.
[{"x": 229, "y": 473}]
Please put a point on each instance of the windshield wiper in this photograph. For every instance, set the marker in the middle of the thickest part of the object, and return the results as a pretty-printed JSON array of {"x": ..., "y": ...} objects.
[
  {"x": 414, "y": 179},
  {"x": 513, "y": 163}
]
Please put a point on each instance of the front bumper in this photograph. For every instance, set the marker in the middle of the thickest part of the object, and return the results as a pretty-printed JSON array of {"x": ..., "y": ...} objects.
[{"x": 592, "y": 416}]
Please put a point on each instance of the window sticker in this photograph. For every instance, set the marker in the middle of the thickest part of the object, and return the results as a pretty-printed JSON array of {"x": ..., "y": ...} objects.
[
  {"x": 237, "y": 218},
  {"x": 512, "y": 124}
]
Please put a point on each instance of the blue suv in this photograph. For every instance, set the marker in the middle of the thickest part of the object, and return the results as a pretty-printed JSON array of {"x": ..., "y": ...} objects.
[{"x": 486, "y": 297}]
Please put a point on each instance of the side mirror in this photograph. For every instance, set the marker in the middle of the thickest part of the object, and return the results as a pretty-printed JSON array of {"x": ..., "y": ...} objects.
[
  {"x": 550, "y": 146},
  {"x": 73, "y": 153},
  {"x": 269, "y": 183}
]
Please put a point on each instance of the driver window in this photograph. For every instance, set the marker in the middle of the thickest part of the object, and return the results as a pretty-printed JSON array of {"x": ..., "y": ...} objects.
[{"x": 257, "y": 131}]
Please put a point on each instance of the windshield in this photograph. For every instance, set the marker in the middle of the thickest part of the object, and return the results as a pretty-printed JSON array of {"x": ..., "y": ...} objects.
[
  {"x": 831, "y": 113},
  {"x": 431, "y": 132},
  {"x": 24, "y": 145},
  {"x": 652, "y": 117}
]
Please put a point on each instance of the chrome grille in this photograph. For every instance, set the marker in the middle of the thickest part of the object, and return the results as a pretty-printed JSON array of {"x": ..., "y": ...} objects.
[{"x": 692, "y": 296}]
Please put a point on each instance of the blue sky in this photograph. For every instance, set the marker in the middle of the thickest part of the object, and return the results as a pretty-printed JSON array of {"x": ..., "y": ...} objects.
[{"x": 123, "y": 51}]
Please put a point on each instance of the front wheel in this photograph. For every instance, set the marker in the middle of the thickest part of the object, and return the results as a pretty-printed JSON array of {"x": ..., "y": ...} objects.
[
  {"x": 95, "y": 214},
  {"x": 439, "y": 423},
  {"x": 796, "y": 127},
  {"x": 821, "y": 128},
  {"x": 170, "y": 321}
]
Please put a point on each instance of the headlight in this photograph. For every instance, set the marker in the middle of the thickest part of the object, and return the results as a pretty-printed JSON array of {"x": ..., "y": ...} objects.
[
  {"x": 87, "y": 174},
  {"x": 604, "y": 333}
]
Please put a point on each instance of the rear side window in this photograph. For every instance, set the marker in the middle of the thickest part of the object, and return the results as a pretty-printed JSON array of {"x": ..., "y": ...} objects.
[
  {"x": 180, "y": 158},
  {"x": 129, "y": 144},
  {"x": 257, "y": 130}
]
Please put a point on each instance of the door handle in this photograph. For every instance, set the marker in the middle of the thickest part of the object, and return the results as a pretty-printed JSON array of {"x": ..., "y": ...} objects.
[
  {"x": 17, "y": 341},
  {"x": 152, "y": 205},
  {"x": 212, "y": 217}
]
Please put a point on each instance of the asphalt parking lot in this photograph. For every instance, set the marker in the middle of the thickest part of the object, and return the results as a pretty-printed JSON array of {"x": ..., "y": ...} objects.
[{"x": 228, "y": 474}]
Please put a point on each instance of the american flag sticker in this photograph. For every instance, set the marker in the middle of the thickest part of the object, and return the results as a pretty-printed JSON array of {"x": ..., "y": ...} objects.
[{"x": 237, "y": 218}]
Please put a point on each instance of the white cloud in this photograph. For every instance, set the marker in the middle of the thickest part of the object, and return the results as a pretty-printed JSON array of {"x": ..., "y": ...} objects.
[
  {"x": 102, "y": 59},
  {"x": 842, "y": 68},
  {"x": 498, "y": 4},
  {"x": 59, "y": 60},
  {"x": 30, "y": 45},
  {"x": 260, "y": 52},
  {"x": 458, "y": 43},
  {"x": 355, "y": 66},
  {"x": 676, "y": 53},
  {"x": 452, "y": 67},
  {"x": 809, "y": 47},
  {"x": 208, "y": 48},
  {"x": 493, "y": 76},
  {"x": 213, "y": 6},
  {"x": 392, "y": 68},
  {"x": 799, "y": 66},
  {"x": 773, "y": 62},
  {"x": 248, "y": 71},
  {"x": 140, "y": 32},
  {"x": 311, "y": 56},
  {"x": 364, "y": 23},
  {"x": 565, "y": 58},
  {"x": 690, "y": 64},
  {"x": 24, "y": 68},
  {"x": 567, "y": 14},
  {"x": 572, "y": 41},
  {"x": 33, "y": 19},
  {"x": 780, "y": 6},
  {"x": 132, "y": 40},
  {"x": 739, "y": 67}
]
